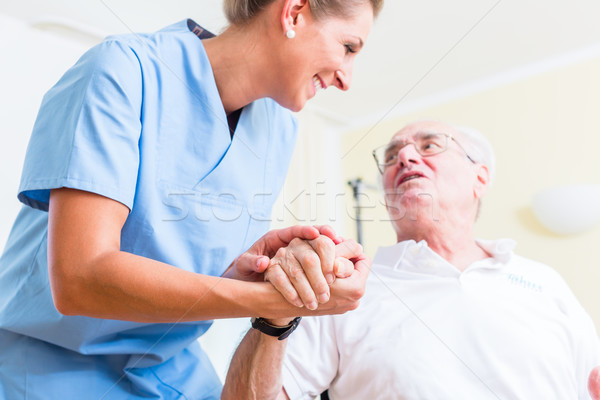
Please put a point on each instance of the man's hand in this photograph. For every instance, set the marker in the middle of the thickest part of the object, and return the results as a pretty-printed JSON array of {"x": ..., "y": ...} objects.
[
  {"x": 594, "y": 383},
  {"x": 346, "y": 293},
  {"x": 251, "y": 265},
  {"x": 304, "y": 270}
]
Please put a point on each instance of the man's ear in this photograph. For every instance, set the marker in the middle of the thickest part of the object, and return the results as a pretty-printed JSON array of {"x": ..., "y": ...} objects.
[
  {"x": 482, "y": 181},
  {"x": 291, "y": 14}
]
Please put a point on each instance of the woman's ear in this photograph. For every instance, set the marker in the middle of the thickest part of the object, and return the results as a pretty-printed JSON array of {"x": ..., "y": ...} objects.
[
  {"x": 482, "y": 181},
  {"x": 291, "y": 14}
]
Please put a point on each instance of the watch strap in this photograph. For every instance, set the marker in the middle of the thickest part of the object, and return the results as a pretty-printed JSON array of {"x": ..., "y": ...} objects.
[{"x": 280, "y": 332}]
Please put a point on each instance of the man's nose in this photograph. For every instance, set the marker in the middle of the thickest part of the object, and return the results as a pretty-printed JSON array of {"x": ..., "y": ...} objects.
[{"x": 408, "y": 155}]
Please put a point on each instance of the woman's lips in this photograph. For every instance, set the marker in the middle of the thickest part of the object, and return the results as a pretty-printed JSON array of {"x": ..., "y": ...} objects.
[{"x": 318, "y": 83}]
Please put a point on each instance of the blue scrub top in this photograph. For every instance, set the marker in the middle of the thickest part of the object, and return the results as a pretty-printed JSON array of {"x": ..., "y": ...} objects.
[{"x": 138, "y": 119}]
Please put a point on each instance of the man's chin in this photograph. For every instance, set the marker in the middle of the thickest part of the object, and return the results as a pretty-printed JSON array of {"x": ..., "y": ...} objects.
[{"x": 412, "y": 207}]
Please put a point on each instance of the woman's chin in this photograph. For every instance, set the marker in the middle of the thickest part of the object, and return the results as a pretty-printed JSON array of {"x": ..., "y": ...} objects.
[{"x": 294, "y": 105}]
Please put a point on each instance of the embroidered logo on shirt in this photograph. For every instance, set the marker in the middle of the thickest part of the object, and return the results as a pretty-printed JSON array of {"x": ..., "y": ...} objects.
[{"x": 522, "y": 282}]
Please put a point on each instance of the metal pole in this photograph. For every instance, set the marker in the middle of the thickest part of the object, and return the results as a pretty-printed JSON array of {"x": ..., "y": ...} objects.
[{"x": 356, "y": 186}]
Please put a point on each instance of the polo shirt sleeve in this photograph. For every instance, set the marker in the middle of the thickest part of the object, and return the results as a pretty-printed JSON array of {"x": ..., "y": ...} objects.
[
  {"x": 585, "y": 342},
  {"x": 312, "y": 359},
  {"x": 587, "y": 356},
  {"x": 583, "y": 336},
  {"x": 87, "y": 131}
]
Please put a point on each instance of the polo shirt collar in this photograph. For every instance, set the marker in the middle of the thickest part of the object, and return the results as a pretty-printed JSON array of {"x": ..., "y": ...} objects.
[{"x": 417, "y": 257}]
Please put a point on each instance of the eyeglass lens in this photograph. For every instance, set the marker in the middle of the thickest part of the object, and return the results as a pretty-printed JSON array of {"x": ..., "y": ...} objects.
[{"x": 426, "y": 144}]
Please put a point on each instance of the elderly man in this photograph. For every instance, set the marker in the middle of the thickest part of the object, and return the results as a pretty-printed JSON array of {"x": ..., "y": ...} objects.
[{"x": 445, "y": 315}]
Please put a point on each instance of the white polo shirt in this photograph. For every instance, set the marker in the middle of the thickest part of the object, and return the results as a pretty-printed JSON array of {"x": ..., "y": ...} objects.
[{"x": 505, "y": 328}]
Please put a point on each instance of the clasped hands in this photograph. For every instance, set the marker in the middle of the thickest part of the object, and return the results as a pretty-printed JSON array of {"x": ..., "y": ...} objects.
[{"x": 304, "y": 263}]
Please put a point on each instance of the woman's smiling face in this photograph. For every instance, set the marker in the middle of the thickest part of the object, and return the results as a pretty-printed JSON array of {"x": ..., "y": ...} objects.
[{"x": 321, "y": 55}]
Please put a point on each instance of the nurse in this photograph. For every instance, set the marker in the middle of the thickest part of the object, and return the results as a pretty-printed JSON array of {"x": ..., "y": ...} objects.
[{"x": 153, "y": 164}]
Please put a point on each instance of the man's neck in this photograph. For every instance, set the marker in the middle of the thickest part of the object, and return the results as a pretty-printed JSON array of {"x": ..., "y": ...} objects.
[{"x": 452, "y": 240}]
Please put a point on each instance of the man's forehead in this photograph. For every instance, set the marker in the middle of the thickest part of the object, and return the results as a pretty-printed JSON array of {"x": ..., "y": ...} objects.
[{"x": 428, "y": 126}]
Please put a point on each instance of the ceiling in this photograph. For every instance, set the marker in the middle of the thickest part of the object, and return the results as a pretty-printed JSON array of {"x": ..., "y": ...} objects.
[{"x": 416, "y": 50}]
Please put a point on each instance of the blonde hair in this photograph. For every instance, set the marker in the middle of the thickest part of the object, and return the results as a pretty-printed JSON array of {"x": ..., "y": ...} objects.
[{"x": 240, "y": 12}]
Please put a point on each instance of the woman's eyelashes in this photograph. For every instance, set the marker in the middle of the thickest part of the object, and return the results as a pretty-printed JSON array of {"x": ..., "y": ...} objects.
[{"x": 350, "y": 49}]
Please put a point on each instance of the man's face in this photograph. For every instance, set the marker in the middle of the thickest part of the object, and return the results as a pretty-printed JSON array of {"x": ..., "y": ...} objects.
[{"x": 432, "y": 187}]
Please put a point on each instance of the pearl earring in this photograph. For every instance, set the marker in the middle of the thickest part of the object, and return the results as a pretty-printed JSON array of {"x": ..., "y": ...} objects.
[{"x": 290, "y": 33}]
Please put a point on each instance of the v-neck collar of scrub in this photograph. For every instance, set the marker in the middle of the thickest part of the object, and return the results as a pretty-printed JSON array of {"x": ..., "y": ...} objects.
[{"x": 238, "y": 134}]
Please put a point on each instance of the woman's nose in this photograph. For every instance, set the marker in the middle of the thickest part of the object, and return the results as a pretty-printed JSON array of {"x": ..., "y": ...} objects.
[{"x": 343, "y": 78}]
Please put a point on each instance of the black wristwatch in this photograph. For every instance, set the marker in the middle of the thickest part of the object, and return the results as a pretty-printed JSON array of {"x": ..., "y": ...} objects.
[{"x": 280, "y": 332}]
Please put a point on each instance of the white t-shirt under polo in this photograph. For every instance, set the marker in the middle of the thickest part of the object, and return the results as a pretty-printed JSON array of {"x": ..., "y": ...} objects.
[{"x": 505, "y": 328}]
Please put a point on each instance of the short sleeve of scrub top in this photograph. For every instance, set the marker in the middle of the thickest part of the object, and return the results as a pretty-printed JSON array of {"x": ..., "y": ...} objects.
[{"x": 92, "y": 125}]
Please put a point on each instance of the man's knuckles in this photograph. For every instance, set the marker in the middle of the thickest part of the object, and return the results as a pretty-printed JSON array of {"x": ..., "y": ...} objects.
[{"x": 323, "y": 244}]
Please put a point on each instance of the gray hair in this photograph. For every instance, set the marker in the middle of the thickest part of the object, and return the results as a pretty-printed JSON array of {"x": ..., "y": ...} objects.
[
  {"x": 240, "y": 12},
  {"x": 477, "y": 147}
]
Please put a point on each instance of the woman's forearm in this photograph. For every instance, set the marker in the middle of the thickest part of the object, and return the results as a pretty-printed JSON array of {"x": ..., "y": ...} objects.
[
  {"x": 90, "y": 276},
  {"x": 124, "y": 286}
]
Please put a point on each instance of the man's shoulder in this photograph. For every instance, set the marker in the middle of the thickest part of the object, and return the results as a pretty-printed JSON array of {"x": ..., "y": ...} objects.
[
  {"x": 541, "y": 272},
  {"x": 525, "y": 263}
]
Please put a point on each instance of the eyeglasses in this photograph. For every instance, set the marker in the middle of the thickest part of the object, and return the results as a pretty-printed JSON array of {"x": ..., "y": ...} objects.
[{"x": 426, "y": 143}]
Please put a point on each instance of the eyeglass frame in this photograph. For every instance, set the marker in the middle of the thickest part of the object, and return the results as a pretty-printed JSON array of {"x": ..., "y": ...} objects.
[{"x": 382, "y": 167}]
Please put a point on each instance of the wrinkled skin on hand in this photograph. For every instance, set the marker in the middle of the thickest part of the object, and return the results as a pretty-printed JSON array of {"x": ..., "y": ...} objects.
[
  {"x": 304, "y": 271},
  {"x": 251, "y": 265},
  {"x": 303, "y": 263}
]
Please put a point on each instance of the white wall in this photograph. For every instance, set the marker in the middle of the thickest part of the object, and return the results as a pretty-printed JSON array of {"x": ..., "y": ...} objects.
[{"x": 32, "y": 61}]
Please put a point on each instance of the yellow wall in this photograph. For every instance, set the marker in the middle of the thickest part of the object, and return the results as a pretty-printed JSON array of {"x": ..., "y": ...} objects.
[{"x": 546, "y": 132}]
